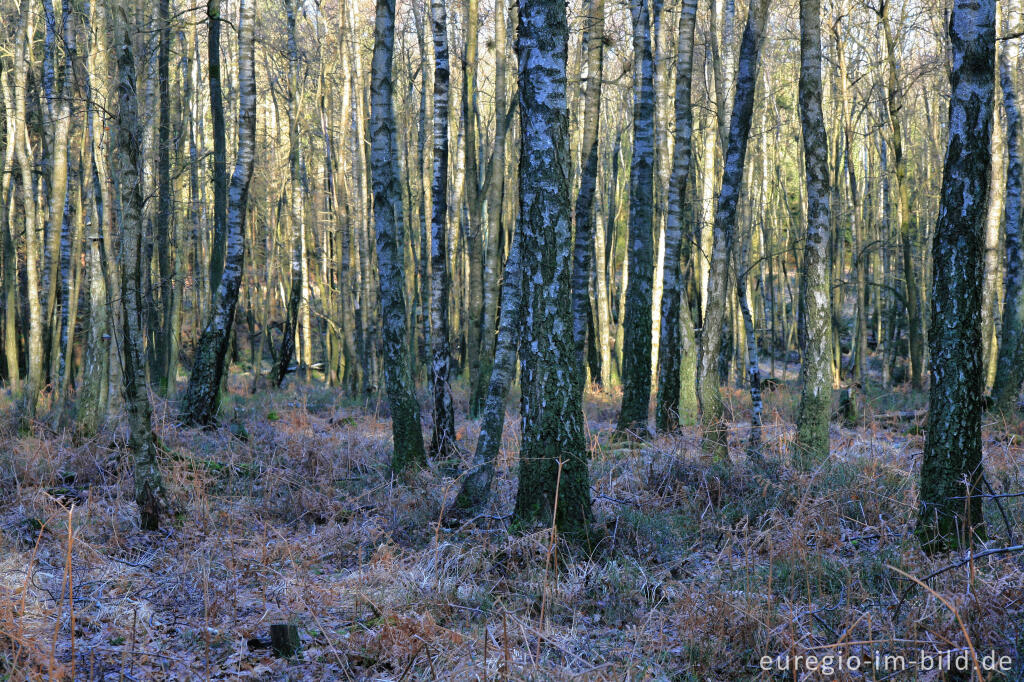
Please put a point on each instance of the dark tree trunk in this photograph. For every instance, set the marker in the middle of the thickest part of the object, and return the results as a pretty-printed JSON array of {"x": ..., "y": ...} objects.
[
  {"x": 405, "y": 411},
  {"x": 952, "y": 467}
]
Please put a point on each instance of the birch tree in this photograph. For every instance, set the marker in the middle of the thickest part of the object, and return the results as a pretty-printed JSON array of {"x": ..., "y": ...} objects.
[
  {"x": 202, "y": 395},
  {"x": 405, "y": 411},
  {"x": 677, "y": 352},
  {"x": 952, "y": 468},
  {"x": 816, "y": 365},
  {"x": 636, "y": 349},
  {"x": 126, "y": 164},
  {"x": 554, "y": 482},
  {"x": 442, "y": 442},
  {"x": 713, "y": 427}
]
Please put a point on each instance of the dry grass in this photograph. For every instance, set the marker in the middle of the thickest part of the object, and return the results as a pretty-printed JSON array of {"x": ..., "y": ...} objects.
[{"x": 300, "y": 522}]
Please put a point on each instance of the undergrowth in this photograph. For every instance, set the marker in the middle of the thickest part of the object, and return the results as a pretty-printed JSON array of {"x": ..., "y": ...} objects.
[{"x": 286, "y": 513}]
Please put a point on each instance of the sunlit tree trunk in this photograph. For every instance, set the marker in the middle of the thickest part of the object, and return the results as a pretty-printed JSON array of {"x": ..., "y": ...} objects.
[
  {"x": 495, "y": 198},
  {"x": 677, "y": 400},
  {"x": 23, "y": 147}
]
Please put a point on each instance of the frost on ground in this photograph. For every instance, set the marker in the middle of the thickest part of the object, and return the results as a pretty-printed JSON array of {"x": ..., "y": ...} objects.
[{"x": 287, "y": 513}]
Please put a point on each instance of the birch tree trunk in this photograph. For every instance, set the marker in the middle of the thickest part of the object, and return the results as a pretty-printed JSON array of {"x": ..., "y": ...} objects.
[
  {"x": 442, "y": 442},
  {"x": 677, "y": 348},
  {"x": 127, "y": 172},
  {"x": 405, "y": 411},
  {"x": 298, "y": 303},
  {"x": 584, "y": 239},
  {"x": 23, "y": 147},
  {"x": 1010, "y": 362},
  {"x": 554, "y": 482},
  {"x": 220, "y": 163},
  {"x": 952, "y": 466},
  {"x": 713, "y": 428},
  {"x": 202, "y": 396},
  {"x": 816, "y": 350},
  {"x": 476, "y": 486},
  {"x": 636, "y": 350},
  {"x": 495, "y": 198}
]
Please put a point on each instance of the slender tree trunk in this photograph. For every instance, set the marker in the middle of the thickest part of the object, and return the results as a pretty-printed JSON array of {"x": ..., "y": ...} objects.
[
  {"x": 220, "y": 163},
  {"x": 25, "y": 157},
  {"x": 1010, "y": 363},
  {"x": 636, "y": 351},
  {"x": 297, "y": 299},
  {"x": 715, "y": 435},
  {"x": 952, "y": 467},
  {"x": 405, "y": 412},
  {"x": 442, "y": 442},
  {"x": 554, "y": 483},
  {"x": 676, "y": 350},
  {"x": 476, "y": 486},
  {"x": 584, "y": 239},
  {"x": 202, "y": 396},
  {"x": 127, "y": 171},
  {"x": 912, "y": 292},
  {"x": 495, "y": 198},
  {"x": 816, "y": 362}
]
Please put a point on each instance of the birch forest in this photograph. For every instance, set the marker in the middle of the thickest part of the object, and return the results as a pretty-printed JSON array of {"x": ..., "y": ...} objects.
[{"x": 511, "y": 340}]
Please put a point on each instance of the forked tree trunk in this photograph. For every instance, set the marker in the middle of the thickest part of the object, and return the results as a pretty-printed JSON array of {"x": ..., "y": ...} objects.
[
  {"x": 476, "y": 486},
  {"x": 201, "y": 399},
  {"x": 952, "y": 468}
]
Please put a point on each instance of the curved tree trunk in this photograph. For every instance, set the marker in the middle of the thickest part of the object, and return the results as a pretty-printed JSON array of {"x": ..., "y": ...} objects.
[
  {"x": 714, "y": 433},
  {"x": 202, "y": 396},
  {"x": 476, "y": 487}
]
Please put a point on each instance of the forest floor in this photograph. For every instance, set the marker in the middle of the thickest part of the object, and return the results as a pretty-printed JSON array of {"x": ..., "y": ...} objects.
[{"x": 287, "y": 513}]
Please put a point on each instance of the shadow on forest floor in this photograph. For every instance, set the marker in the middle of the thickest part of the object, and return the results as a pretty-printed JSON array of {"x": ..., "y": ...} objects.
[{"x": 286, "y": 513}]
